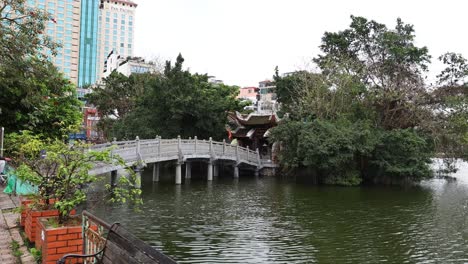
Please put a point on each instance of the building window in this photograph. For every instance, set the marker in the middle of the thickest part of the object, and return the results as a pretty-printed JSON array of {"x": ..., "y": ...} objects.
[
  {"x": 130, "y": 18},
  {"x": 130, "y": 23},
  {"x": 122, "y": 27},
  {"x": 122, "y": 22},
  {"x": 107, "y": 19},
  {"x": 121, "y": 44},
  {"x": 129, "y": 45},
  {"x": 123, "y": 16},
  {"x": 115, "y": 20}
]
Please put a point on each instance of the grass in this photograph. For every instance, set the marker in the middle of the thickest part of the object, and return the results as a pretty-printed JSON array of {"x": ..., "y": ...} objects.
[
  {"x": 37, "y": 254},
  {"x": 15, "y": 247}
]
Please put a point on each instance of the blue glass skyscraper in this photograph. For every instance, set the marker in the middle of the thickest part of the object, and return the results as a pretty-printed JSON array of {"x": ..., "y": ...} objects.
[{"x": 88, "y": 60}]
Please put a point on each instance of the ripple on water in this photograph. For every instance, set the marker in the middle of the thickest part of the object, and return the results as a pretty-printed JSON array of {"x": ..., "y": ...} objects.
[{"x": 277, "y": 222}]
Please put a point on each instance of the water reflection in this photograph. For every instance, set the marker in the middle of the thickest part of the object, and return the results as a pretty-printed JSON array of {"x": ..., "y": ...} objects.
[{"x": 266, "y": 220}]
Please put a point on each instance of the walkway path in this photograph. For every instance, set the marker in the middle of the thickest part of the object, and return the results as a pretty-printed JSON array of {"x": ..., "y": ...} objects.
[{"x": 9, "y": 231}]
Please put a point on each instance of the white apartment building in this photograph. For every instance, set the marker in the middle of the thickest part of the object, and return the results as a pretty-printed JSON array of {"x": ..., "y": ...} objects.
[{"x": 116, "y": 30}]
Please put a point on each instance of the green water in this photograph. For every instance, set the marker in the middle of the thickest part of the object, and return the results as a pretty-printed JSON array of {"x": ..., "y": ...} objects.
[{"x": 268, "y": 220}]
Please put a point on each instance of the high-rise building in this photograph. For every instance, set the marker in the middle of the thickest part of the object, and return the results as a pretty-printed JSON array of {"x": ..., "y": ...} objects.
[
  {"x": 64, "y": 28},
  {"x": 117, "y": 20},
  {"x": 88, "y": 62}
]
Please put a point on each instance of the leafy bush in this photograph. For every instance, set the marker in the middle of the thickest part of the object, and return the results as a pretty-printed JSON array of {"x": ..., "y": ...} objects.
[{"x": 61, "y": 171}]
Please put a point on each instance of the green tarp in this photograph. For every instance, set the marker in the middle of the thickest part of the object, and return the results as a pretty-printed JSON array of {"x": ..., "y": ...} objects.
[{"x": 17, "y": 186}]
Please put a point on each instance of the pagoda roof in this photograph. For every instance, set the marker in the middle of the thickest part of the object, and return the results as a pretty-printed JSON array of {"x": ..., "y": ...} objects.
[{"x": 254, "y": 119}]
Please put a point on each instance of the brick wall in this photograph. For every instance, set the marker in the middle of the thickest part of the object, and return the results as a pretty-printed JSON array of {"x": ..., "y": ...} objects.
[
  {"x": 24, "y": 209},
  {"x": 56, "y": 242},
  {"x": 30, "y": 223}
]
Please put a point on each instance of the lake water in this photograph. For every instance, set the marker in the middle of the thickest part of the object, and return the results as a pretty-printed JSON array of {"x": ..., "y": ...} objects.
[{"x": 269, "y": 220}]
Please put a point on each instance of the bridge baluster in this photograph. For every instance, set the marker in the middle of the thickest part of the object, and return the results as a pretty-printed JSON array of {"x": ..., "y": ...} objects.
[
  {"x": 224, "y": 147},
  {"x": 196, "y": 143},
  {"x": 159, "y": 146},
  {"x": 211, "y": 146},
  {"x": 137, "y": 139},
  {"x": 179, "y": 143}
]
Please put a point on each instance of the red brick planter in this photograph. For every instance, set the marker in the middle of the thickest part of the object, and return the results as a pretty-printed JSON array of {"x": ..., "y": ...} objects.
[
  {"x": 25, "y": 202},
  {"x": 30, "y": 223},
  {"x": 56, "y": 242},
  {"x": 32, "y": 216}
]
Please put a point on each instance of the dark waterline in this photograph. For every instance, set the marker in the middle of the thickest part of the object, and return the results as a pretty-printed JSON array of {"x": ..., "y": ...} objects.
[{"x": 268, "y": 220}]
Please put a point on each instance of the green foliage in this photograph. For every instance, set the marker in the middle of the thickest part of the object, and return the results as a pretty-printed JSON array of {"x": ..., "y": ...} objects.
[
  {"x": 15, "y": 248},
  {"x": 37, "y": 254},
  {"x": 61, "y": 172},
  {"x": 21, "y": 32},
  {"x": 368, "y": 115},
  {"x": 402, "y": 153},
  {"x": 174, "y": 103},
  {"x": 34, "y": 95}
]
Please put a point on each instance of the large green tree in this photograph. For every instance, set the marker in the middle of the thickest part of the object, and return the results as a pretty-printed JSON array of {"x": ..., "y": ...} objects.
[
  {"x": 368, "y": 115},
  {"x": 173, "y": 103},
  {"x": 33, "y": 94}
]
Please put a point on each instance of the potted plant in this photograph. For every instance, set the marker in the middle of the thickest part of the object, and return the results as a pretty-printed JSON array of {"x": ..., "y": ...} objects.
[
  {"x": 35, "y": 170},
  {"x": 61, "y": 172}
]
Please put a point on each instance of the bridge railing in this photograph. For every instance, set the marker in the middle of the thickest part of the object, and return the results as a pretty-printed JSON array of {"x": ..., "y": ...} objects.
[{"x": 134, "y": 150}]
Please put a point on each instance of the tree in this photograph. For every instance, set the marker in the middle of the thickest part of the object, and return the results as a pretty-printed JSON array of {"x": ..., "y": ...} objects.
[
  {"x": 450, "y": 105},
  {"x": 33, "y": 94},
  {"x": 38, "y": 98},
  {"x": 387, "y": 62},
  {"x": 174, "y": 103},
  {"x": 21, "y": 32},
  {"x": 61, "y": 172},
  {"x": 367, "y": 116}
]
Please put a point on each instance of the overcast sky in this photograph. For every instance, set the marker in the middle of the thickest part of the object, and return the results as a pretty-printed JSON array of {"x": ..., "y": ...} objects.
[{"x": 241, "y": 41}]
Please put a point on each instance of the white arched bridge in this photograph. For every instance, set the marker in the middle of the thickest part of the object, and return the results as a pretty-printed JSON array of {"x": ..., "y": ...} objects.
[{"x": 182, "y": 151}]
